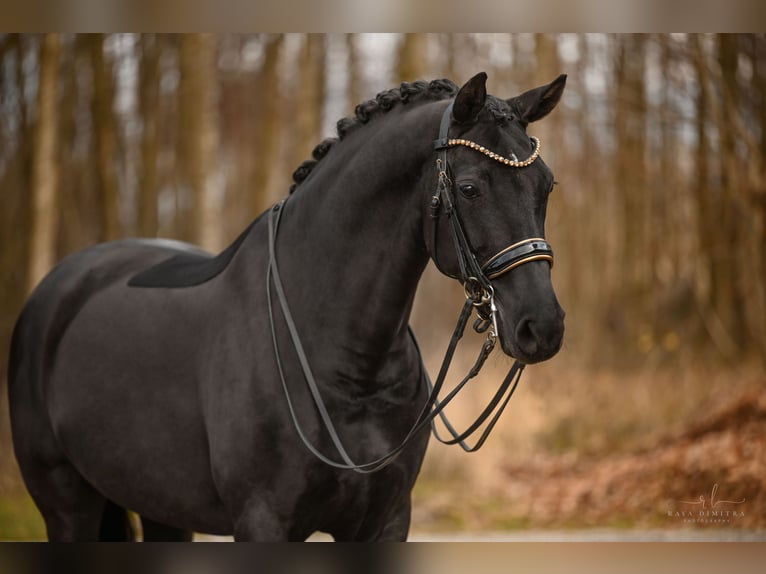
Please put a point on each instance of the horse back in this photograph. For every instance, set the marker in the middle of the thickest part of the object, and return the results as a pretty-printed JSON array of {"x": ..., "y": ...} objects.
[{"x": 60, "y": 296}]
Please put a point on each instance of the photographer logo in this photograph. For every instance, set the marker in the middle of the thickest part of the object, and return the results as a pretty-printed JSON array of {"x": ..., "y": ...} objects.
[{"x": 709, "y": 509}]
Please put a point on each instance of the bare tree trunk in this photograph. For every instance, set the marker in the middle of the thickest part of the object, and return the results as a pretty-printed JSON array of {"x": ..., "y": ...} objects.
[
  {"x": 743, "y": 183},
  {"x": 25, "y": 146},
  {"x": 630, "y": 116},
  {"x": 105, "y": 137},
  {"x": 412, "y": 61},
  {"x": 759, "y": 191},
  {"x": 665, "y": 238},
  {"x": 199, "y": 119},
  {"x": 547, "y": 59},
  {"x": 730, "y": 294},
  {"x": 450, "y": 53},
  {"x": 523, "y": 66},
  {"x": 709, "y": 213},
  {"x": 354, "y": 72},
  {"x": 44, "y": 174},
  {"x": 24, "y": 154},
  {"x": 17, "y": 201},
  {"x": 547, "y": 68},
  {"x": 268, "y": 140},
  {"x": 310, "y": 101},
  {"x": 149, "y": 95},
  {"x": 75, "y": 230},
  {"x": 173, "y": 221}
]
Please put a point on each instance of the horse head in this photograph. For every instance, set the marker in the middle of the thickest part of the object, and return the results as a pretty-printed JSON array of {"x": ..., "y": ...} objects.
[{"x": 488, "y": 214}]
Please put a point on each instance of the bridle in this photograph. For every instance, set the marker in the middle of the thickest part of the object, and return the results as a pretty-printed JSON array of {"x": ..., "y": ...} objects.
[
  {"x": 476, "y": 278},
  {"x": 480, "y": 295}
]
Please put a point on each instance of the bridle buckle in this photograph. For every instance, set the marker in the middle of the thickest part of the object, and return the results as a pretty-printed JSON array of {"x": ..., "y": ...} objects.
[
  {"x": 483, "y": 299},
  {"x": 478, "y": 294}
]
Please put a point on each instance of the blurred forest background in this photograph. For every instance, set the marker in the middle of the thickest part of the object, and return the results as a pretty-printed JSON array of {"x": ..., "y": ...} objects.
[{"x": 658, "y": 223}]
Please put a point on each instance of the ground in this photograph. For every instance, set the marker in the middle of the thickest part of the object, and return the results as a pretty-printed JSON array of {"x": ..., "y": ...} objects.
[{"x": 707, "y": 473}]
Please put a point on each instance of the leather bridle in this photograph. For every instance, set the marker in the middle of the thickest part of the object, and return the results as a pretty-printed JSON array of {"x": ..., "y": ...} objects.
[{"x": 476, "y": 280}]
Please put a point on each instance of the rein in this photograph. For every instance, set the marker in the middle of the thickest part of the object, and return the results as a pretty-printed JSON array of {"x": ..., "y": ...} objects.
[{"x": 476, "y": 280}]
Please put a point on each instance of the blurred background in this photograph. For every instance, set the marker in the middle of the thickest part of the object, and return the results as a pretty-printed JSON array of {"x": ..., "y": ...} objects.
[{"x": 658, "y": 223}]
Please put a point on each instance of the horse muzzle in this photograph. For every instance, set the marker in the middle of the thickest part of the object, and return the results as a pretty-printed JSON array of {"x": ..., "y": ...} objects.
[
  {"x": 534, "y": 340},
  {"x": 531, "y": 329}
]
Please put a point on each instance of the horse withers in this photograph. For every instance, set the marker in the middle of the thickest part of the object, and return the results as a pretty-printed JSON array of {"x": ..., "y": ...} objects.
[{"x": 150, "y": 376}]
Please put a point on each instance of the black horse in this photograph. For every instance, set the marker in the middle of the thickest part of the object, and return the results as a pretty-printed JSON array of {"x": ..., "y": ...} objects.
[{"x": 143, "y": 373}]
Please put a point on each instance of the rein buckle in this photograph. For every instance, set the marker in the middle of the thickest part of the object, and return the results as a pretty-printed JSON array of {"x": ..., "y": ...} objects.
[
  {"x": 476, "y": 293},
  {"x": 483, "y": 299}
]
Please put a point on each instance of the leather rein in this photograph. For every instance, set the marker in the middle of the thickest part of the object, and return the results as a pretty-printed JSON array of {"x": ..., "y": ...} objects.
[{"x": 476, "y": 280}]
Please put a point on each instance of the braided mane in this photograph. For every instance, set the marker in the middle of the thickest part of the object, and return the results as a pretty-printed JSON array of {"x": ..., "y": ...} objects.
[{"x": 408, "y": 92}]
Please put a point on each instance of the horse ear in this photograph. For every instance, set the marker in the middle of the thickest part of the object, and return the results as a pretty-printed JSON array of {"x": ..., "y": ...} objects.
[
  {"x": 539, "y": 102},
  {"x": 470, "y": 99}
]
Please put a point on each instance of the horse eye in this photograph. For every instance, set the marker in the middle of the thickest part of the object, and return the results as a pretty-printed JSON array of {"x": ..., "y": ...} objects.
[{"x": 469, "y": 190}]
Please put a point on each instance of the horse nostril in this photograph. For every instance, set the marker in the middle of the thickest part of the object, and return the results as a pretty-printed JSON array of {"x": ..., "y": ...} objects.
[
  {"x": 526, "y": 338},
  {"x": 538, "y": 340}
]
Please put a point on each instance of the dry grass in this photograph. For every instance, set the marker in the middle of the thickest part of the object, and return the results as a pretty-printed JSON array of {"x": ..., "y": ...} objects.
[{"x": 602, "y": 449}]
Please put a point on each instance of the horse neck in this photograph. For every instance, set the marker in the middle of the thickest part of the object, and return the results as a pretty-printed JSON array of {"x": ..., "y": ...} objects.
[{"x": 351, "y": 249}]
